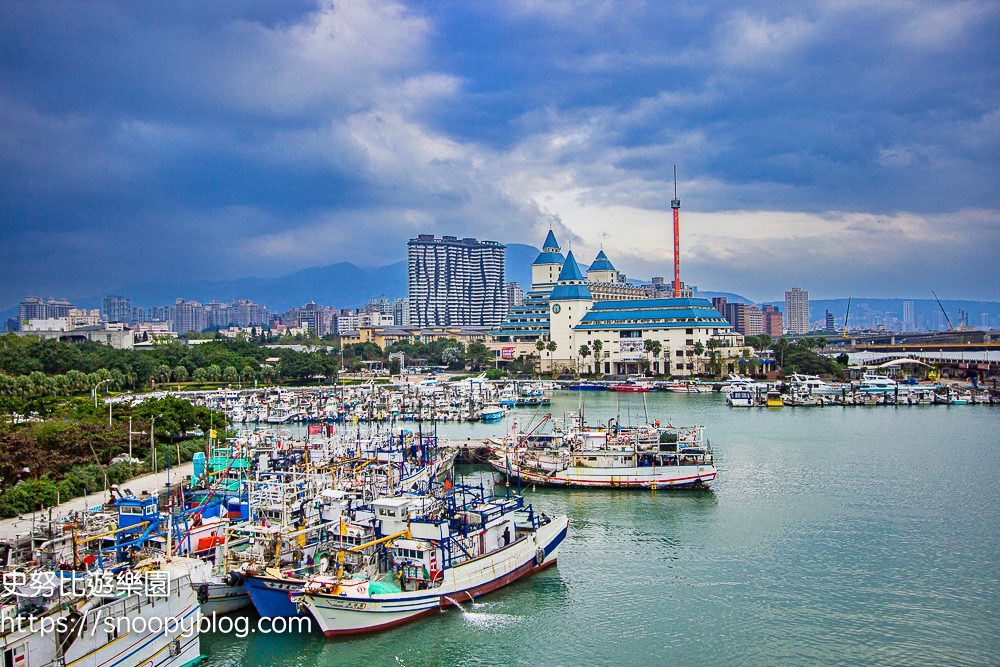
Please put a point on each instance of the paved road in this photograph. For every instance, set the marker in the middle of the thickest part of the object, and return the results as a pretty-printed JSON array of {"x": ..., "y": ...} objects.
[{"x": 11, "y": 527}]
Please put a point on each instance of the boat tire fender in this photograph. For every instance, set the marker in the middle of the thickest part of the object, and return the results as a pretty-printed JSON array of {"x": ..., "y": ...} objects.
[
  {"x": 203, "y": 594},
  {"x": 539, "y": 556}
]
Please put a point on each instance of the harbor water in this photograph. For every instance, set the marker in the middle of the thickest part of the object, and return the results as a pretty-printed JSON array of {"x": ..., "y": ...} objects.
[{"x": 832, "y": 536}]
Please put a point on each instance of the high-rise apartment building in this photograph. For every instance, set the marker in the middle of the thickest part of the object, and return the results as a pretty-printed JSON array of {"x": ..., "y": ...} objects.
[
  {"x": 746, "y": 319},
  {"x": 797, "y": 311},
  {"x": 401, "y": 312},
  {"x": 515, "y": 295},
  {"x": 249, "y": 314},
  {"x": 117, "y": 308},
  {"x": 456, "y": 282},
  {"x": 721, "y": 304},
  {"x": 188, "y": 316},
  {"x": 909, "y": 320},
  {"x": 830, "y": 324},
  {"x": 773, "y": 322},
  {"x": 34, "y": 308}
]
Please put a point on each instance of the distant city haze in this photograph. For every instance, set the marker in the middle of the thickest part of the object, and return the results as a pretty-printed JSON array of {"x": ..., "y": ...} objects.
[{"x": 845, "y": 148}]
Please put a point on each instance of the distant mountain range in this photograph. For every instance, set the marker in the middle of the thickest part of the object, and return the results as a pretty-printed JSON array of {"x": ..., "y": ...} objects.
[{"x": 345, "y": 285}]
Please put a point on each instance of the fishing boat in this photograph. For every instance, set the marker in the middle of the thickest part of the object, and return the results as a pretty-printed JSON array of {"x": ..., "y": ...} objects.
[
  {"x": 113, "y": 623},
  {"x": 492, "y": 413},
  {"x": 423, "y": 566},
  {"x": 614, "y": 458}
]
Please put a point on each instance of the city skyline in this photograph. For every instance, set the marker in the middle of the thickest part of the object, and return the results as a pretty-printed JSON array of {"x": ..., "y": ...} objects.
[{"x": 848, "y": 148}]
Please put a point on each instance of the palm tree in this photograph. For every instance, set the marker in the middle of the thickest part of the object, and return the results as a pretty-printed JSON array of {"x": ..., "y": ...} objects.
[
  {"x": 540, "y": 346},
  {"x": 551, "y": 347},
  {"x": 180, "y": 374},
  {"x": 598, "y": 346},
  {"x": 162, "y": 373},
  {"x": 584, "y": 352}
]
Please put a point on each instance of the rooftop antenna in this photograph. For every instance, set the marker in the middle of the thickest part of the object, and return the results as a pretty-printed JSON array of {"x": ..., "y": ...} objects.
[
  {"x": 951, "y": 327},
  {"x": 676, "y": 205}
]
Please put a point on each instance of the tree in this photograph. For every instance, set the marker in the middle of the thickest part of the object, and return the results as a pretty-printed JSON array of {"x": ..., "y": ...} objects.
[
  {"x": 699, "y": 349},
  {"x": 540, "y": 346},
  {"x": 200, "y": 375},
  {"x": 248, "y": 373},
  {"x": 230, "y": 374},
  {"x": 551, "y": 347},
  {"x": 162, "y": 373},
  {"x": 479, "y": 356},
  {"x": 714, "y": 366},
  {"x": 584, "y": 352},
  {"x": 180, "y": 374},
  {"x": 214, "y": 373},
  {"x": 654, "y": 347},
  {"x": 394, "y": 366}
]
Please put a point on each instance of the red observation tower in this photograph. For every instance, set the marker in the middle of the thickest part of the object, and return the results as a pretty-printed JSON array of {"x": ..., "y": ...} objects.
[{"x": 676, "y": 205}]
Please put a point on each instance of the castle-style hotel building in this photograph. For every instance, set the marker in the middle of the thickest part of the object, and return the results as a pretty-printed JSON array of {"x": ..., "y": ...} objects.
[{"x": 574, "y": 311}]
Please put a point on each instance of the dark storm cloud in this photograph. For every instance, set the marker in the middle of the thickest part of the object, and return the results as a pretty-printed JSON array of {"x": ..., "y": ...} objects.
[{"x": 145, "y": 140}]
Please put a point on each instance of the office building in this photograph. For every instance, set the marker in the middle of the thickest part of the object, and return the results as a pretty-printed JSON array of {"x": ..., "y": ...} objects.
[
  {"x": 720, "y": 303},
  {"x": 797, "y": 311},
  {"x": 830, "y": 325},
  {"x": 456, "y": 282}
]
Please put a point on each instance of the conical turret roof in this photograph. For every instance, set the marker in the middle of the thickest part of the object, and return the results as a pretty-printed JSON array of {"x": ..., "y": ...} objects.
[
  {"x": 571, "y": 286},
  {"x": 550, "y": 251},
  {"x": 602, "y": 263}
]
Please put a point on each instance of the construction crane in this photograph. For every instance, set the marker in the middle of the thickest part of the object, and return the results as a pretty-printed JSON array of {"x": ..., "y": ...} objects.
[
  {"x": 848, "y": 314},
  {"x": 951, "y": 327}
]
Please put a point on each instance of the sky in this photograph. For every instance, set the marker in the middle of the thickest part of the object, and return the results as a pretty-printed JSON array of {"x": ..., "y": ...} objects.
[{"x": 845, "y": 147}]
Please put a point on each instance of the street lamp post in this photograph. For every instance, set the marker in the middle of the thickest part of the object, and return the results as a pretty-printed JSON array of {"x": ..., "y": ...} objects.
[
  {"x": 152, "y": 439},
  {"x": 95, "y": 389},
  {"x": 130, "y": 434}
]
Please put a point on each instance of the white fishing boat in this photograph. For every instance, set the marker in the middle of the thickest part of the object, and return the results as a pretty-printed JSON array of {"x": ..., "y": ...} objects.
[
  {"x": 107, "y": 626},
  {"x": 434, "y": 564},
  {"x": 601, "y": 458}
]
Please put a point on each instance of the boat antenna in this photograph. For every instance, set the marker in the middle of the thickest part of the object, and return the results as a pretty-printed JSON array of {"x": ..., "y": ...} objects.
[{"x": 951, "y": 327}]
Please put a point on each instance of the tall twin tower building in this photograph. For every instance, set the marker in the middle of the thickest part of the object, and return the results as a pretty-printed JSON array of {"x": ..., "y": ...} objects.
[{"x": 456, "y": 282}]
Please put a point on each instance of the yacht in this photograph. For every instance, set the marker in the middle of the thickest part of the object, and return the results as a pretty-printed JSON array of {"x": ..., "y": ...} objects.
[
  {"x": 812, "y": 384},
  {"x": 877, "y": 384}
]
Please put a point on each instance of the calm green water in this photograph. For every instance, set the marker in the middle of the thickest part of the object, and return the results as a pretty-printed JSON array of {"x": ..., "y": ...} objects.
[{"x": 857, "y": 536}]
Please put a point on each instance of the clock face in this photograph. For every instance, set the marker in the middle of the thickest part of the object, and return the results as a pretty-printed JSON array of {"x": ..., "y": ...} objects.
[{"x": 556, "y": 309}]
